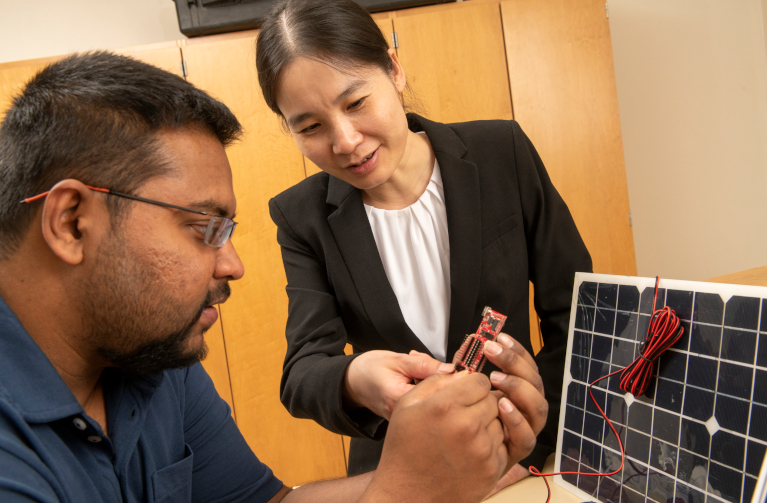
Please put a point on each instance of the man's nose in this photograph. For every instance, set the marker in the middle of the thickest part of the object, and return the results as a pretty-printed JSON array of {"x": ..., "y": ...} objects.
[{"x": 228, "y": 263}]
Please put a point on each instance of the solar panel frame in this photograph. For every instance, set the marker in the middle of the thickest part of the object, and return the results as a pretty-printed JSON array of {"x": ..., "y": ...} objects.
[{"x": 672, "y": 438}]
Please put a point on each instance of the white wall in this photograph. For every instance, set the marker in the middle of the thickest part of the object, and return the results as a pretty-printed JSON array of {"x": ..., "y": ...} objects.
[
  {"x": 38, "y": 28},
  {"x": 692, "y": 91}
]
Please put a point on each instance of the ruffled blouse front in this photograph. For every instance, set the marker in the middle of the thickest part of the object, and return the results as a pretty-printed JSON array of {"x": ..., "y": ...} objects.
[{"x": 415, "y": 251}]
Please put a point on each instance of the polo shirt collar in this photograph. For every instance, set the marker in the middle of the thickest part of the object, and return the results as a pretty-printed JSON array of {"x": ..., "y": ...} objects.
[{"x": 29, "y": 380}]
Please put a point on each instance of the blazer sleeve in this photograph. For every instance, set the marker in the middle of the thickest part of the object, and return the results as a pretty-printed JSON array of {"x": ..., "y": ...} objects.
[
  {"x": 315, "y": 363},
  {"x": 555, "y": 253}
]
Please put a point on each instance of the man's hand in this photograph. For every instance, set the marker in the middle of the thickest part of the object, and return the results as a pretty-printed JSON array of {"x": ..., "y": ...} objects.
[
  {"x": 444, "y": 442},
  {"x": 520, "y": 385},
  {"x": 377, "y": 379}
]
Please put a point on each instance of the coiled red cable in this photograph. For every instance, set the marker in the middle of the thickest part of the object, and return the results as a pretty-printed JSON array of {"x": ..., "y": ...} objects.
[{"x": 664, "y": 331}]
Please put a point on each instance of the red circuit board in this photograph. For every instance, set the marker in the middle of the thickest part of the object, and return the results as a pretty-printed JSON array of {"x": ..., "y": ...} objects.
[{"x": 471, "y": 355}]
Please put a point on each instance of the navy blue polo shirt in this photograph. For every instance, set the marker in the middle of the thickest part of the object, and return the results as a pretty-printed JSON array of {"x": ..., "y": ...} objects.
[{"x": 171, "y": 437}]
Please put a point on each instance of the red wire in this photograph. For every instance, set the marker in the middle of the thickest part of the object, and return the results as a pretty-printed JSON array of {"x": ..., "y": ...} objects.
[{"x": 662, "y": 333}]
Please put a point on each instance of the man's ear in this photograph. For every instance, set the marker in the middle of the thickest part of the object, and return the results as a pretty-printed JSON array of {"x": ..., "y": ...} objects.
[
  {"x": 70, "y": 215},
  {"x": 397, "y": 72}
]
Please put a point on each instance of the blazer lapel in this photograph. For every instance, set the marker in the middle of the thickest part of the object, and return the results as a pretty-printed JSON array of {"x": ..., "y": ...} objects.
[
  {"x": 354, "y": 238},
  {"x": 460, "y": 180}
]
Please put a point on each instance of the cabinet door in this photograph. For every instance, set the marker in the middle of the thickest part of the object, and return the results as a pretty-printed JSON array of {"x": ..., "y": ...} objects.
[
  {"x": 563, "y": 89},
  {"x": 454, "y": 60},
  {"x": 165, "y": 55},
  {"x": 264, "y": 163}
]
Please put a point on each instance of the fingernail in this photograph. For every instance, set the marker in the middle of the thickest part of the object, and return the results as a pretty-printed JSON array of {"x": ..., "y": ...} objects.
[
  {"x": 462, "y": 373},
  {"x": 505, "y": 405},
  {"x": 497, "y": 377},
  {"x": 446, "y": 368},
  {"x": 506, "y": 341},
  {"x": 493, "y": 348}
]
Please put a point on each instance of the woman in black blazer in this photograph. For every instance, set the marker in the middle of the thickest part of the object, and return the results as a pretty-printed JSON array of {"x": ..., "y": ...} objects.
[{"x": 325, "y": 68}]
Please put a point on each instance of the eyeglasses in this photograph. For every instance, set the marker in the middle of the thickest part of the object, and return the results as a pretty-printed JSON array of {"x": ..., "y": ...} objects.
[{"x": 217, "y": 231}]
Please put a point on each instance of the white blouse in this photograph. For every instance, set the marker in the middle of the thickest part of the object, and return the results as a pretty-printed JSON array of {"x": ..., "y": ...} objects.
[{"x": 414, "y": 248}]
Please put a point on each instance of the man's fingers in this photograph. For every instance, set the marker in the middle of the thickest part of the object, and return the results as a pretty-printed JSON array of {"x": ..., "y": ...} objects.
[
  {"x": 509, "y": 342},
  {"x": 522, "y": 438},
  {"x": 513, "y": 363},
  {"x": 429, "y": 386},
  {"x": 525, "y": 397},
  {"x": 455, "y": 390},
  {"x": 420, "y": 366}
]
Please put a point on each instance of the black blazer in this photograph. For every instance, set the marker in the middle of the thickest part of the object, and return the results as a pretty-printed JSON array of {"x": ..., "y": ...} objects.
[{"x": 507, "y": 225}]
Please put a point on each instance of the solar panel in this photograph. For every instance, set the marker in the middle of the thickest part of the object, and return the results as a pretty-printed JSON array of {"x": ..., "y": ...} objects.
[{"x": 700, "y": 432}]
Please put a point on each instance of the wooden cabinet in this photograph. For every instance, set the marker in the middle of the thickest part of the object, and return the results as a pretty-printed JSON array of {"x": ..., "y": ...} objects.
[
  {"x": 264, "y": 163},
  {"x": 546, "y": 64},
  {"x": 454, "y": 59},
  {"x": 563, "y": 89}
]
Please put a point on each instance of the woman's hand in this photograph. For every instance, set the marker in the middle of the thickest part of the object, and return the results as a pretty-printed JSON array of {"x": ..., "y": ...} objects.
[{"x": 377, "y": 379}]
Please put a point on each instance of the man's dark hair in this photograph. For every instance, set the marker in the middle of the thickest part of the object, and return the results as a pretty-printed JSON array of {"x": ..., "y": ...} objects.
[{"x": 95, "y": 117}]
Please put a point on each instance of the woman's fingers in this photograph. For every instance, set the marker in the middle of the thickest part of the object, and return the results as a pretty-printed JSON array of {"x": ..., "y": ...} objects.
[{"x": 420, "y": 366}]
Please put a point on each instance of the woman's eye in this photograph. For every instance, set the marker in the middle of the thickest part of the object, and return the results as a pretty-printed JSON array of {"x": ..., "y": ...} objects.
[
  {"x": 356, "y": 104},
  {"x": 309, "y": 129}
]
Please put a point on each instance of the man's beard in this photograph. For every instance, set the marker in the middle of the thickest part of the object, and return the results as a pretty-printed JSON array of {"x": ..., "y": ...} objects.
[{"x": 131, "y": 318}]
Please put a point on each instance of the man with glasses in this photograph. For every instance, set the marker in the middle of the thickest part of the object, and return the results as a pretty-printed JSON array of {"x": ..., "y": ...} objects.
[{"x": 116, "y": 210}]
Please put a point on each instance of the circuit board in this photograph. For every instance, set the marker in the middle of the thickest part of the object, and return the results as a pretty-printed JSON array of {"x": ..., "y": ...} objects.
[{"x": 471, "y": 355}]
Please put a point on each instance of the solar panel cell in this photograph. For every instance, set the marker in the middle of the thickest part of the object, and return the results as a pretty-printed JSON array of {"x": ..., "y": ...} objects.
[
  {"x": 725, "y": 480},
  {"x": 758, "y": 427},
  {"x": 660, "y": 487},
  {"x": 708, "y": 308},
  {"x": 587, "y": 294},
  {"x": 681, "y": 302},
  {"x": 628, "y": 298},
  {"x": 732, "y": 413},
  {"x": 604, "y": 321},
  {"x": 698, "y": 403},
  {"x": 607, "y": 295},
  {"x": 669, "y": 395},
  {"x": 705, "y": 339},
  {"x": 665, "y": 426},
  {"x": 738, "y": 345},
  {"x": 626, "y": 325},
  {"x": 742, "y": 312},
  {"x": 728, "y": 449},
  {"x": 735, "y": 380},
  {"x": 702, "y": 372},
  {"x": 754, "y": 456},
  {"x": 694, "y": 437}
]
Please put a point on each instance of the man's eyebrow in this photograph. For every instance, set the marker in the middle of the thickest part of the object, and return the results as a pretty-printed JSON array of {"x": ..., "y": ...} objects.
[
  {"x": 297, "y": 119},
  {"x": 211, "y": 207}
]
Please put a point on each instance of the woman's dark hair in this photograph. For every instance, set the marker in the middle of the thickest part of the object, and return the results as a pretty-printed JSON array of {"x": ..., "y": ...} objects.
[
  {"x": 339, "y": 33},
  {"x": 95, "y": 117}
]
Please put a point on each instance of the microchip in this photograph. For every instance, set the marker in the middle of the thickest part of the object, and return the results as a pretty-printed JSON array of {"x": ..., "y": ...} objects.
[{"x": 471, "y": 355}]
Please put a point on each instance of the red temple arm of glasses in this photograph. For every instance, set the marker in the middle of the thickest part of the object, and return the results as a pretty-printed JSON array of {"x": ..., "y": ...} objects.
[{"x": 40, "y": 196}]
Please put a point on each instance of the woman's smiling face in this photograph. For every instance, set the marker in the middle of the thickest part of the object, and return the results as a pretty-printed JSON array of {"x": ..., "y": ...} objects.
[{"x": 350, "y": 124}]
